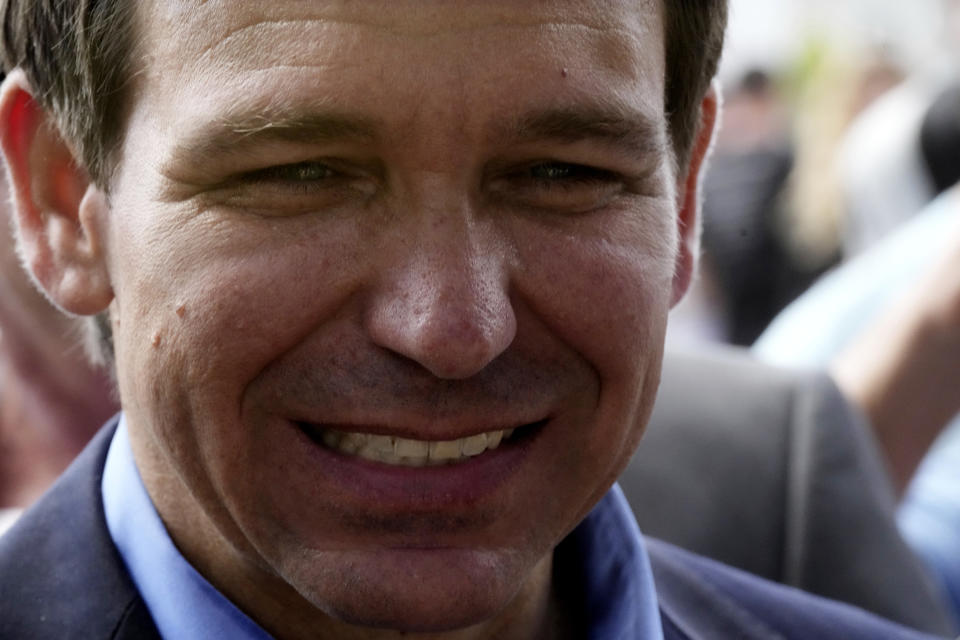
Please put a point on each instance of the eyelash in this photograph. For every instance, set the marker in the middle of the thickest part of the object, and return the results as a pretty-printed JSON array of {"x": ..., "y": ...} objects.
[
  {"x": 296, "y": 173},
  {"x": 566, "y": 174},
  {"x": 549, "y": 173}
]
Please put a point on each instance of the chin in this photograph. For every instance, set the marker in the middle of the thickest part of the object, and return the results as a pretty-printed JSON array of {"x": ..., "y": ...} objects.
[
  {"x": 413, "y": 615},
  {"x": 414, "y": 590}
]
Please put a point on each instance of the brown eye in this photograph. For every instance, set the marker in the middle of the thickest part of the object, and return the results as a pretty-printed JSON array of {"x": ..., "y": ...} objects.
[
  {"x": 556, "y": 186},
  {"x": 566, "y": 172},
  {"x": 300, "y": 172},
  {"x": 551, "y": 171},
  {"x": 311, "y": 186}
]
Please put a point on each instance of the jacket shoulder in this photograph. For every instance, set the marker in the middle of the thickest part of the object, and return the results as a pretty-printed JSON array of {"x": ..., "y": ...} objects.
[
  {"x": 701, "y": 599},
  {"x": 772, "y": 471},
  {"x": 60, "y": 574}
]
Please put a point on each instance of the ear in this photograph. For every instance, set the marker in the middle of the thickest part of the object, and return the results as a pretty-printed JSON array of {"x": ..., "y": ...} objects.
[
  {"x": 688, "y": 195},
  {"x": 59, "y": 212}
]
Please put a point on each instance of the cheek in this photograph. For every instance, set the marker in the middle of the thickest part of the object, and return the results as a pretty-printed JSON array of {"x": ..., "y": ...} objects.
[
  {"x": 607, "y": 297},
  {"x": 605, "y": 294},
  {"x": 204, "y": 304}
]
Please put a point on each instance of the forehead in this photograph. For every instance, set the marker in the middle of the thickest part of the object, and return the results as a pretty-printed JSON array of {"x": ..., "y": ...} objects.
[
  {"x": 199, "y": 24},
  {"x": 470, "y": 58}
]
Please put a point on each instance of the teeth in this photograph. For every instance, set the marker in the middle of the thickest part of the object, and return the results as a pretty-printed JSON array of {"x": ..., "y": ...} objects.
[
  {"x": 412, "y": 453},
  {"x": 411, "y": 448},
  {"x": 332, "y": 438},
  {"x": 474, "y": 445},
  {"x": 383, "y": 445},
  {"x": 444, "y": 450},
  {"x": 351, "y": 442}
]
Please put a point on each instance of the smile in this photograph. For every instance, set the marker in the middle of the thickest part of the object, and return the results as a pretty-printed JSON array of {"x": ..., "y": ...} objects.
[{"x": 408, "y": 452}]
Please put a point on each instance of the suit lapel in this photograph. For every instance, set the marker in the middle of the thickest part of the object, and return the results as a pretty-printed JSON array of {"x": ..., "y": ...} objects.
[{"x": 61, "y": 577}]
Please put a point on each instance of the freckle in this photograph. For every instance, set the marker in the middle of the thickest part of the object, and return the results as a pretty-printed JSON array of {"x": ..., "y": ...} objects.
[
  {"x": 563, "y": 72},
  {"x": 182, "y": 309},
  {"x": 156, "y": 340}
]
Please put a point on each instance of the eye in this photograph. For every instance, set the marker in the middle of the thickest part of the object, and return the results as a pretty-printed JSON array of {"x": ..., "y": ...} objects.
[
  {"x": 311, "y": 186},
  {"x": 563, "y": 187},
  {"x": 566, "y": 172},
  {"x": 302, "y": 172}
]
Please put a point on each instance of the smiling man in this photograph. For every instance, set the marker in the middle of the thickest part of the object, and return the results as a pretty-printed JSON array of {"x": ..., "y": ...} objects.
[{"x": 384, "y": 285}]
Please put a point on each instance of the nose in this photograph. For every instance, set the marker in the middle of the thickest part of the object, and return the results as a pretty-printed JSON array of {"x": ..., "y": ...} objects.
[{"x": 443, "y": 299}]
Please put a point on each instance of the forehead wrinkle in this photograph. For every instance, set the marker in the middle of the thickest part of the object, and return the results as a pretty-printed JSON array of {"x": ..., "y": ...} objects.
[
  {"x": 253, "y": 41},
  {"x": 213, "y": 26},
  {"x": 419, "y": 18}
]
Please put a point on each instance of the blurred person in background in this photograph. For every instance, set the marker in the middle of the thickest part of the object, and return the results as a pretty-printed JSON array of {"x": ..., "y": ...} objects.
[
  {"x": 773, "y": 210},
  {"x": 855, "y": 81},
  {"x": 772, "y": 471},
  {"x": 835, "y": 94},
  {"x": 752, "y": 160},
  {"x": 887, "y": 323},
  {"x": 885, "y": 166}
]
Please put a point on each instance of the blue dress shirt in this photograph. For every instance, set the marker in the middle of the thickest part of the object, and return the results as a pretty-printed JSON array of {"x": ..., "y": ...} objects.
[{"x": 606, "y": 551}]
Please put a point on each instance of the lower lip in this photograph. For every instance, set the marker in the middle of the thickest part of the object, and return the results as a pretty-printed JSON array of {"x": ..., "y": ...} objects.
[{"x": 421, "y": 488}]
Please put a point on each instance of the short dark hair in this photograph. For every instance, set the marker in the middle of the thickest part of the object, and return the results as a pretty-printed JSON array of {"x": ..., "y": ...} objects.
[
  {"x": 79, "y": 56},
  {"x": 693, "y": 31}
]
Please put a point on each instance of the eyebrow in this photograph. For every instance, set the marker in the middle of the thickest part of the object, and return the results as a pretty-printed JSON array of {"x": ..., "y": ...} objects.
[
  {"x": 619, "y": 126},
  {"x": 235, "y": 135}
]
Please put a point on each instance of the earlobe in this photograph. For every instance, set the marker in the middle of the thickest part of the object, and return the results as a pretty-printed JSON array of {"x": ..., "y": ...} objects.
[
  {"x": 57, "y": 208},
  {"x": 688, "y": 195}
]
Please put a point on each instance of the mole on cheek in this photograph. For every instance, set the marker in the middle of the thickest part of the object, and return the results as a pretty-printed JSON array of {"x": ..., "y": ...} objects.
[
  {"x": 181, "y": 310},
  {"x": 156, "y": 340}
]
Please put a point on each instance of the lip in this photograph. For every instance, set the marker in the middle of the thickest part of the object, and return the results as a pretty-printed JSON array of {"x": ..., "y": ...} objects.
[{"x": 385, "y": 487}]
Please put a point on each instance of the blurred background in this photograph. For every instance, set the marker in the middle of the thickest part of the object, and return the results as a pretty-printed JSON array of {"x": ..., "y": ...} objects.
[{"x": 820, "y": 152}]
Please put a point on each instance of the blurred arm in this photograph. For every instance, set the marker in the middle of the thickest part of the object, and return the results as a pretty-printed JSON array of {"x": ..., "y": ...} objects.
[{"x": 904, "y": 370}]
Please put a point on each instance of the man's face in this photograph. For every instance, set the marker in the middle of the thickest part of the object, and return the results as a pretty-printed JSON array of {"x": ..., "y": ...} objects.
[{"x": 354, "y": 245}]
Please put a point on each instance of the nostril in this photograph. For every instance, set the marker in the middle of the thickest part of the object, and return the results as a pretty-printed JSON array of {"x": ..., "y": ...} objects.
[{"x": 454, "y": 336}]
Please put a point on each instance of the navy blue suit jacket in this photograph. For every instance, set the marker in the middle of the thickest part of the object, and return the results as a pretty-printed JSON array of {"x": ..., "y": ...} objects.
[{"x": 62, "y": 578}]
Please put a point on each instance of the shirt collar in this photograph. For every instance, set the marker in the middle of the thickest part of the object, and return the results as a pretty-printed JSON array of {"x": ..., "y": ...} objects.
[{"x": 606, "y": 551}]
